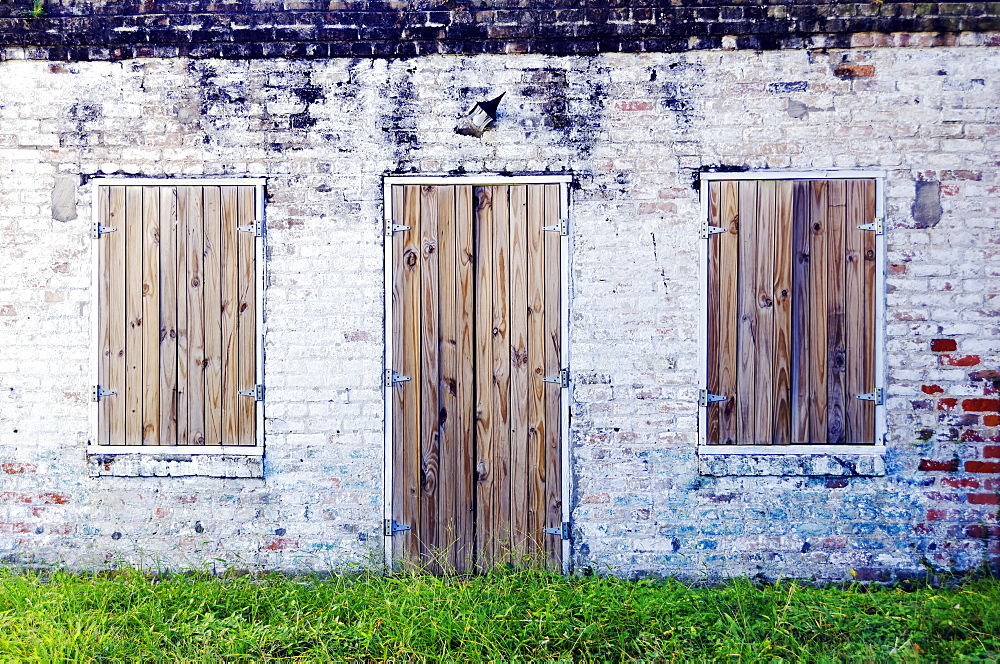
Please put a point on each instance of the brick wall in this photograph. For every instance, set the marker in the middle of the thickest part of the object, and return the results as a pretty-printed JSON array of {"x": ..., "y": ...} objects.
[{"x": 635, "y": 129}]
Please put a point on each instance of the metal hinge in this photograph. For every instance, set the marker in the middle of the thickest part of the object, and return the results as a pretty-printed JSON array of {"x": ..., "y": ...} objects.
[
  {"x": 705, "y": 397},
  {"x": 392, "y": 378},
  {"x": 97, "y": 230},
  {"x": 97, "y": 393},
  {"x": 390, "y": 527},
  {"x": 876, "y": 226},
  {"x": 257, "y": 228},
  {"x": 562, "y": 227},
  {"x": 708, "y": 230},
  {"x": 257, "y": 392},
  {"x": 392, "y": 227},
  {"x": 562, "y": 531},
  {"x": 561, "y": 378},
  {"x": 877, "y": 396}
]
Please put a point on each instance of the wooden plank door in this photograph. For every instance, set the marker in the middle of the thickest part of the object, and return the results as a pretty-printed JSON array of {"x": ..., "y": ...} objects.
[{"x": 476, "y": 444}]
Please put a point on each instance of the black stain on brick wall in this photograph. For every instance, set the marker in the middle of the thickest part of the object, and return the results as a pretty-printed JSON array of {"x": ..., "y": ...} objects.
[{"x": 927, "y": 204}]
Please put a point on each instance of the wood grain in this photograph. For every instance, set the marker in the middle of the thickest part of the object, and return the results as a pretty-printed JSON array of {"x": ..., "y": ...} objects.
[
  {"x": 246, "y": 285},
  {"x": 763, "y": 391},
  {"x": 195, "y": 250},
  {"x": 396, "y": 394},
  {"x": 783, "y": 259},
  {"x": 819, "y": 288},
  {"x": 411, "y": 314},
  {"x": 184, "y": 372},
  {"x": 553, "y": 392},
  {"x": 713, "y": 312},
  {"x": 867, "y": 428},
  {"x": 151, "y": 316},
  {"x": 836, "y": 306},
  {"x": 168, "y": 315},
  {"x": 212, "y": 291},
  {"x": 729, "y": 244},
  {"x": 520, "y": 389},
  {"x": 536, "y": 338},
  {"x": 134, "y": 237},
  {"x": 465, "y": 300},
  {"x": 228, "y": 305},
  {"x": 430, "y": 373},
  {"x": 104, "y": 324},
  {"x": 801, "y": 334},
  {"x": 484, "y": 470},
  {"x": 447, "y": 409},
  {"x": 114, "y": 270},
  {"x": 501, "y": 535},
  {"x": 747, "y": 307}
]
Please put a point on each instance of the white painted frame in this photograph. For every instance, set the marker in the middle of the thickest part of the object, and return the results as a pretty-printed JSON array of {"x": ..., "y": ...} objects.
[
  {"x": 260, "y": 277},
  {"x": 388, "y": 182},
  {"x": 880, "y": 265}
]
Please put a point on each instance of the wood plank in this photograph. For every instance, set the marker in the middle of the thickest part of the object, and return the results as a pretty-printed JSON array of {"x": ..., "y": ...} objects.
[
  {"x": 115, "y": 272},
  {"x": 746, "y": 332},
  {"x": 134, "y": 236},
  {"x": 818, "y": 294},
  {"x": 184, "y": 371},
  {"x": 802, "y": 192},
  {"x": 485, "y": 476},
  {"x": 104, "y": 321},
  {"x": 151, "y": 316},
  {"x": 553, "y": 392},
  {"x": 763, "y": 403},
  {"x": 228, "y": 304},
  {"x": 729, "y": 244},
  {"x": 783, "y": 259},
  {"x": 713, "y": 313},
  {"x": 448, "y": 417},
  {"x": 212, "y": 291},
  {"x": 246, "y": 316},
  {"x": 867, "y": 430},
  {"x": 168, "y": 315},
  {"x": 430, "y": 373},
  {"x": 836, "y": 307},
  {"x": 501, "y": 535},
  {"x": 536, "y": 333},
  {"x": 466, "y": 279},
  {"x": 195, "y": 249},
  {"x": 410, "y": 313},
  {"x": 395, "y": 394},
  {"x": 520, "y": 388}
]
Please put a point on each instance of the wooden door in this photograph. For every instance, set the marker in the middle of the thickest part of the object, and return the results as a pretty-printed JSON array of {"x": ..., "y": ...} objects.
[{"x": 476, "y": 328}]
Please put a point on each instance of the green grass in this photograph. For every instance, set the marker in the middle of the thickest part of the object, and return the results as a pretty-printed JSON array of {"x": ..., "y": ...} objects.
[{"x": 505, "y": 616}]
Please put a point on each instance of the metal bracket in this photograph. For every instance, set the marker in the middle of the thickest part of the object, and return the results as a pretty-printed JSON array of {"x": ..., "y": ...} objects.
[
  {"x": 562, "y": 531},
  {"x": 97, "y": 393},
  {"x": 97, "y": 230},
  {"x": 708, "y": 231},
  {"x": 878, "y": 396},
  {"x": 257, "y": 228},
  {"x": 392, "y": 378},
  {"x": 392, "y": 227},
  {"x": 878, "y": 226},
  {"x": 705, "y": 397},
  {"x": 562, "y": 227},
  {"x": 390, "y": 527},
  {"x": 561, "y": 379},
  {"x": 257, "y": 392}
]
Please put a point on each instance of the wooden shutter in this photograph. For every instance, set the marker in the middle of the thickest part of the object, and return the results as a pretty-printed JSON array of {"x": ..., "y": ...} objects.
[
  {"x": 476, "y": 327},
  {"x": 177, "y": 315},
  {"x": 791, "y": 312}
]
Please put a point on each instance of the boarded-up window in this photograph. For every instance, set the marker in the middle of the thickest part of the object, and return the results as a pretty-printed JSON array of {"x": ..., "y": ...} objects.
[
  {"x": 791, "y": 312},
  {"x": 177, "y": 315}
]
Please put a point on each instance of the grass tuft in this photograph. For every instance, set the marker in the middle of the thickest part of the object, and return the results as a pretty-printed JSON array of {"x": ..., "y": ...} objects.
[{"x": 509, "y": 614}]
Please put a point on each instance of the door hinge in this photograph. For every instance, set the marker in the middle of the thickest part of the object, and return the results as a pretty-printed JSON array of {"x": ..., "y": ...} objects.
[
  {"x": 392, "y": 227},
  {"x": 97, "y": 230},
  {"x": 392, "y": 378},
  {"x": 562, "y": 531},
  {"x": 708, "y": 230},
  {"x": 876, "y": 226},
  {"x": 877, "y": 396},
  {"x": 705, "y": 397},
  {"x": 390, "y": 527},
  {"x": 257, "y": 392},
  {"x": 561, "y": 378},
  {"x": 562, "y": 227},
  {"x": 257, "y": 228},
  {"x": 97, "y": 393}
]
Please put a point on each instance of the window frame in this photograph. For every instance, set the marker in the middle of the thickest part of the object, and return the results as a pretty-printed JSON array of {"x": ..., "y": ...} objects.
[
  {"x": 880, "y": 265},
  {"x": 257, "y": 449}
]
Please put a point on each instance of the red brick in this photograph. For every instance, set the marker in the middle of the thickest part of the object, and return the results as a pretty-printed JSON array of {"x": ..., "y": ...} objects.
[
  {"x": 983, "y": 499},
  {"x": 981, "y": 405},
  {"x": 959, "y": 361},
  {"x": 979, "y": 531},
  {"x": 17, "y": 468},
  {"x": 281, "y": 544},
  {"x": 15, "y": 497},
  {"x": 12, "y": 528},
  {"x": 991, "y": 420},
  {"x": 991, "y": 452},
  {"x": 187, "y": 500},
  {"x": 947, "y": 403},
  {"x": 928, "y": 465},
  {"x": 992, "y": 484},
  {"x": 854, "y": 71},
  {"x": 634, "y": 106},
  {"x": 982, "y": 467},
  {"x": 972, "y": 436},
  {"x": 53, "y": 499},
  {"x": 944, "y": 345},
  {"x": 931, "y": 389},
  {"x": 963, "y": 483},
  {"x": 936, "y": 515},
  {"x": 985, "y": 374}
]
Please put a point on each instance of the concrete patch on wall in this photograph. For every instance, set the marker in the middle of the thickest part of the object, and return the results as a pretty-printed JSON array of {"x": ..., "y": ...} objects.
[
  {"x": 826, "y": 465},
  {"x": 175, "y": 465}
]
